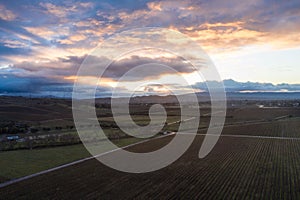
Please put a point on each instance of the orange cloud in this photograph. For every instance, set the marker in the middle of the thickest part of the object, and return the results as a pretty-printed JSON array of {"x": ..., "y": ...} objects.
[
  {"x": 57, "y": 10},
  {"x": 220, "y": 37},
  {"x": 6, "y": 14},
  {"x": 155, "y": 6},
  {"x": 92, "y": 80},
  {"x": 216, "y": 27},
  {"x": 43, "y": 32}
]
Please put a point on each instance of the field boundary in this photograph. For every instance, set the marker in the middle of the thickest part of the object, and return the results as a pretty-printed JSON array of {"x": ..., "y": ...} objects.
[{"x": 10, "y": 182}]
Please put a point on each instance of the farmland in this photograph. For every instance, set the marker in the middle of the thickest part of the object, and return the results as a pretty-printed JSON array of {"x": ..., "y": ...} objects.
[
  {"x": 16, "y": 164},
  {"x": 236, "y": 168},
  {"x": 257, "y": 155}
]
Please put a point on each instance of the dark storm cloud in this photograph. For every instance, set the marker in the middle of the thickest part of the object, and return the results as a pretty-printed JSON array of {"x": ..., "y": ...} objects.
[
  {"x": 69, "y": 66},
  {"x": 16, "y": 84},
  {"x": 36, "y": 86},
  {"x": 119, "y": 68}
]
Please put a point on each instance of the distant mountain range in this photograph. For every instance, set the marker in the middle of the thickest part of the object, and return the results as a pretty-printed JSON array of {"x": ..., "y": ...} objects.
[
  {"x": 234, "y": 91},
  {"x": 250, "y": 87},
  {"x": 205, "y": 97}
]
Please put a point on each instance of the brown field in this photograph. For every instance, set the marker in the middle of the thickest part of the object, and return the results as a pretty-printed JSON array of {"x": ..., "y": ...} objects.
[{"x": 236, "y": 168}]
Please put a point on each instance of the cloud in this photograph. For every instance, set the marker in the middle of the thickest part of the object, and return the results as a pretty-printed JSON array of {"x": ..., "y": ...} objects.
[
  {"x": 217, "y": 24},
  {"x": 15, "y": 84},
  {"x": 51, "y": 39},
  {"x": 58, "y": 11},
  {"x": 13, "y": 31},
  {"x": 37, "y": 86},
  {"x": 64, "y": 67},
  {"x": 224, "y": 25},
  {"x": 59, "y": 67},
  {"x": 118, "y": 68},
  {"x": 62, "y": 11},
  {"x": 6, "y": 14}
]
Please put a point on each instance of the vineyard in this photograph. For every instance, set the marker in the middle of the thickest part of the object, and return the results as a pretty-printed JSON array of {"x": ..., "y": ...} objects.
[
  {"x": 285, "y": 128},
  {"x": 237, "y": 168},
  {"x": 256, "y": 157}
]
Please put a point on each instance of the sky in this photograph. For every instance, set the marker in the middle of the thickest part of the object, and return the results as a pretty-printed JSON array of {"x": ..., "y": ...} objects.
[{"x": 43, "y": 43}]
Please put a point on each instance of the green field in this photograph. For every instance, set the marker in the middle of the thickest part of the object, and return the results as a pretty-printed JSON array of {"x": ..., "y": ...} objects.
[{"x": 19, "y": 163}]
